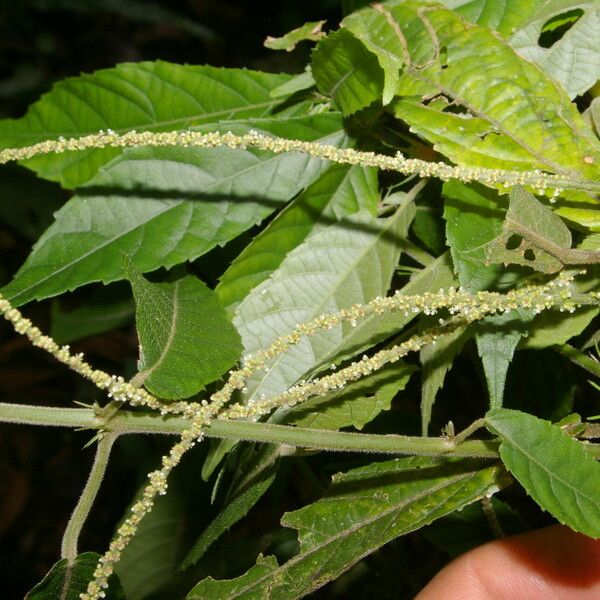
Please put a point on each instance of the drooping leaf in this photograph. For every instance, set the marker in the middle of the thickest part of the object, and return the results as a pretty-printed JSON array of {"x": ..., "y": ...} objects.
[
  {"x": 503, "y": 16},
  {"x": 143, "y": 96},
  {"x": 473, "y": 221},
  {"x": 554, "y": 468},
  {"x": 67, "y": 582},
  {"x": 366, "y": 508},
  {"x": 574, "y": 59},
  {"x": 529, "y": 232},
  {"x": 347, "y": 262},
  {"x": 345, "y": 70},
  {"x": 311, "y": 31},
  {"x": 298, "y": 83},
  {"x": 181, "y": 201},
  {"x": 339, "y": 192},
  {"x": 256, "y": 480},
  {"x": 436, "y": 360},
  {"x": 357, "y": 404},
  {"x": 109, "y": 307},
  {"x": 384, "y": 39},
  {"x": 186, "y": 339},
  {"x": 497, "y": 339}
]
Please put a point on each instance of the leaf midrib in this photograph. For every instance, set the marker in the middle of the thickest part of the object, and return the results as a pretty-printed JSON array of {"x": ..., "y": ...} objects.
[
  {"x": 356, "y": 526},
  {"x": 317, "y": 309},
  {"x": 174, "y": 300}
]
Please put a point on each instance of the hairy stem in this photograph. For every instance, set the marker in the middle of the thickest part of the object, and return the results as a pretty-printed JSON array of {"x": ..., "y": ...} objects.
[
  {"x": 579, "y": 358},
  {"x": 68, "y": 547},
  {"x": 125, "y": 422}
]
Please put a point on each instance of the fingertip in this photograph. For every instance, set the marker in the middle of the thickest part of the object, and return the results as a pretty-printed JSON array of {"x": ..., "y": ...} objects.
[{"x": 551, "y": 563}]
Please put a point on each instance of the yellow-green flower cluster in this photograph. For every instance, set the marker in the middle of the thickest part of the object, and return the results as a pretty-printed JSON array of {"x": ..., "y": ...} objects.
[
  {"x": 463, "y": 307},
  {"x": 492, "y": 177}
]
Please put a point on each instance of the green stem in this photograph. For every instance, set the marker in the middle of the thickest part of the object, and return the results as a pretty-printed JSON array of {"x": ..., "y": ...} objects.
[
  {"x": 579, "y": 358},
  {"x": 125, "y": 422},
  {"x": 68, "y": 547}
]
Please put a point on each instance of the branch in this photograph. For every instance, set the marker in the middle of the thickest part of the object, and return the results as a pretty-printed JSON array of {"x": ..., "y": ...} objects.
[{"x": 126, "y": 422}]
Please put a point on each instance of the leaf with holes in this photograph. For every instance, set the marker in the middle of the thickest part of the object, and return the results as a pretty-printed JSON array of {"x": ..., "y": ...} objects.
[
  {"x": 365, "y": 508},
  {"x": 571, "y": 57},
  {"x": 555, "y": 469},
  {"x": 163, "y": 206},
  {"x": 310, "y": 31},
  {"x": 154, "y": 96},
  {"x": 474, "y": 217},
  {"x": 532, "y": 235},
  {"x": 186, "y": 339},
  {"x": 503, "y": 16}
]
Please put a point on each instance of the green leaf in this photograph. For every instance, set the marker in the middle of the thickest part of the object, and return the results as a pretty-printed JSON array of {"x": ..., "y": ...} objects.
[
  {"x": 592, "y": 116},
  {"x": 554, "y": 327},
  {"x": 348, "y": 262},
  {"x": 366, "y": 508},
  {"x": 298, "y": 83},
  {"x": 108, "y": 308},
  {"x": 555, "y": 469},
  {"x": 384, "y": 38},
  {"x": 143, "y": 96},
  {"x": 436, "y": 276},
  {"x": 517, "y": 119},
  {"x": 474, "y": 217},
  {"x": 339, "y": 192},
  {"x": 186, "y": 339},
  {"x": 503, "y": 16},
  {"x": 503, "y": 124},
  {"x": 258, "y": 477},
  {"x": 345, "y": 70},
  {"x": 310, "y": 31},
  {"x": 497, "y": 339},
  {"x": 357, "y": 404},
  {"x": 574, "y": 59},
  {"x": 529, "y": 230},
  {"x": 436, "y": 360},
  {"x": 180, "y": 201},
  {"x": 67, "y": 582}
]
